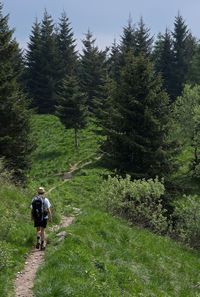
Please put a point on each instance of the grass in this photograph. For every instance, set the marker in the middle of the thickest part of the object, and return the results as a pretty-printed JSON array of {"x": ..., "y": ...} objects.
[
  {"x": 16, "y": 234},
  {"x": 102, "y": 255}
]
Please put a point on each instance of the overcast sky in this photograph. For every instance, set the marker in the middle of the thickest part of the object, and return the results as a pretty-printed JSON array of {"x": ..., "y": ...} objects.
[{"x": 105, "y": 18}]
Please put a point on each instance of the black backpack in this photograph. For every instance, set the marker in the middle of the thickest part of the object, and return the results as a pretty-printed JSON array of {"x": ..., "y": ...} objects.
[{"x": 38, "y": 208}]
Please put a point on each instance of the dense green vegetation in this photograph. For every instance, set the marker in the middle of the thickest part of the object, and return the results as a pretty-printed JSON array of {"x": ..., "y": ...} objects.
[
  {"x": 129, "y": 110},
  {"x": 16, "y": 233},
  {"x": 95, "y": 258},
  {"x": 102, "y": 256}
]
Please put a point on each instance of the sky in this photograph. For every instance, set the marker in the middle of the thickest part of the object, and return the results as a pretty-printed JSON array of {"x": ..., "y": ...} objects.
[{"x": 104, "y": 18}]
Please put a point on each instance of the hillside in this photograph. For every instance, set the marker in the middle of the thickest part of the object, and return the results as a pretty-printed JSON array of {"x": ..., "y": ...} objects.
[{"x": 102, "y": 255}]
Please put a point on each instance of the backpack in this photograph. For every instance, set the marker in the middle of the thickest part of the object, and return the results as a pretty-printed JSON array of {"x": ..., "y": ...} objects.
[{"x": 38, "y": 208}]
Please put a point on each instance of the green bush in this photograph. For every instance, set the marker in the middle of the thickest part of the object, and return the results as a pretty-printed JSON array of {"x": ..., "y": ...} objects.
[
  {"x": 138, "y": 201},
  {"x": 187, "y": 214}
]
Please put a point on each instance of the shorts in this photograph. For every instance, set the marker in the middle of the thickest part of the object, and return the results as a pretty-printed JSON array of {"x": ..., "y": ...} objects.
[{"x": 42, "y": 223}]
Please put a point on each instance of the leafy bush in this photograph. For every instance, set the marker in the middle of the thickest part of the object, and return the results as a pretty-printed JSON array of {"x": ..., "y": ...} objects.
[
  {"x": 138, "y": 201},
  {"x": 187, "y": 214}
]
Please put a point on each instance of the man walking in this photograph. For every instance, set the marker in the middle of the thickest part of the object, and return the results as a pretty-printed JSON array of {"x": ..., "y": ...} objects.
[{"x": 41, "y": 212}]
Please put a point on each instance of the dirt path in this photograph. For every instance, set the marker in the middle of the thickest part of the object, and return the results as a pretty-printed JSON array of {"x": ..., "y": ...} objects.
[{"x": 25, "y": 279}]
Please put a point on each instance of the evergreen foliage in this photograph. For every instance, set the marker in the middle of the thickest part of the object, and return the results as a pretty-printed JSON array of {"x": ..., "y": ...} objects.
[
  {"x": 33, "y": 63},
  {"x": 15, "y": 144},
  {"x": 43, "y": 65},
  {"x": 182, "y": 49},
  {"x": 128, "y": 37},
  {"x": 67, "y": 47},
  {"x": 92, "y": 72},
  {"x": 71, "y": 109},
  {"x": 137, "y": 128},
  {"x": 194, "y": 70},
  {"x": 143, "y": 40},
  {"x": 114, "y": 62},
  {"x": 164, "y": 58}
]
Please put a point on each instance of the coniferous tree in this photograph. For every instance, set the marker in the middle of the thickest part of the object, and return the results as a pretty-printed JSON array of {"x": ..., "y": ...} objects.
[
  {"x": 143, "y": 40},
  {"x": 128, "y": 38},
  {"x": 163, "y": 59},
  {"x": 114, "y": 64},
  {"x": 15, "y": 145},
  {"x": 71, "y": 106},
  {"x": 67, "y": 47},
  {"x": 33, "y": 63},
  {"x": 137, "y": 127},
  {"x": 49, "y": 66},
  {"x": 194, "y": 69},
  {"x": 182, "y": 55},
  {"x": 92, "y": 72}
]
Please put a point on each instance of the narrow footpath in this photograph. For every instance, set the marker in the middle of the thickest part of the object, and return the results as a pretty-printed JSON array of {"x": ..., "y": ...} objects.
[{"x": 25, "y": 280}]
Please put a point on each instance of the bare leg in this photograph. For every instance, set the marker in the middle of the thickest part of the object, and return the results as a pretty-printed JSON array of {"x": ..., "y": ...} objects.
[
  {"x": 42, "y": 238},
  {"x": 38, "y": 233}
]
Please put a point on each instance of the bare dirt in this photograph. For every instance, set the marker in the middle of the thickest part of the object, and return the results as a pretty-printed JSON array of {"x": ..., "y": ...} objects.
[{"x": 25, "y": 279}]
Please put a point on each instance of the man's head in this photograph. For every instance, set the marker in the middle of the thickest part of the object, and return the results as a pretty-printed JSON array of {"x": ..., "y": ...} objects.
[{"x": 41, "y": 190}]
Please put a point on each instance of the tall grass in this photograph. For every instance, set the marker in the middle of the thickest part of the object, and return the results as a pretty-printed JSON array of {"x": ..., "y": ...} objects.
[
  {"x": 102, "y": 256},
  {"x": 16, "y": 234}
]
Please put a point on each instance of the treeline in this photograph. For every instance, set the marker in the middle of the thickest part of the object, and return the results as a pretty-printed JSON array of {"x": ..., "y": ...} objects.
[{"x": 130, "y": 90}]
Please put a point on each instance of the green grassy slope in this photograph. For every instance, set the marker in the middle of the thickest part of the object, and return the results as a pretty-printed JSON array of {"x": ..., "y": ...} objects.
[
  {"x": 16, "y": 234},
  {"x": 102, "y": 256}
]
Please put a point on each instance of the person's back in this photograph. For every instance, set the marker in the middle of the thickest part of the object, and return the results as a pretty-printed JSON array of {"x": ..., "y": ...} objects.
[{"x": 41, "y": 212}]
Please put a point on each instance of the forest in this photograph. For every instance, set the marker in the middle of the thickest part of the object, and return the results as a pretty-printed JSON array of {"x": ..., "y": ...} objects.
[{"x": 140, "y": 101}]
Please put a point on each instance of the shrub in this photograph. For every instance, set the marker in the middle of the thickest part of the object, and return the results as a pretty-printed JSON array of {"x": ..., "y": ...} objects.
[
  {"x": 187, "y": 214},
  {"x": 138, "y": 201}
]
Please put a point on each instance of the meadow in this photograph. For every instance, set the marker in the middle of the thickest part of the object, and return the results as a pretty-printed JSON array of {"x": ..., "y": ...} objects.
[{"x": 102, "y": 255}]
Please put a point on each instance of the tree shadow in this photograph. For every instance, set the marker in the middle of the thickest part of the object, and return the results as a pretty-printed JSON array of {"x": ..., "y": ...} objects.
[{"x": 48, "y": 155}]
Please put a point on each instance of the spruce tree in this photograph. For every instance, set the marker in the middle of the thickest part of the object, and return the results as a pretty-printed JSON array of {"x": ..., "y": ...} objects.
[
  {"x": 15, "y": 144},
  {"x": 114, "y": 64},
  {"x": 66, "y": 47},
  {"x": 33, "y": 63},
  {"x": 92, "y": 72},
  {"x": 128, "y": 40},
  {"x": 164, "y": 58},
  {"x": 143, "y": 39},
  {"x": 137, "y": 127},
  {"x": 182, "y": 55},
  {"x": 71, "y": 106},
  {"x": 50, "y": 66},
  {"x": 194, "y": 69}
]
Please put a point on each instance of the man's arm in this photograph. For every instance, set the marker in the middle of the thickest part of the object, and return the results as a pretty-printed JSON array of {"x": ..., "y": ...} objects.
[{"x": 49, "y": 214}]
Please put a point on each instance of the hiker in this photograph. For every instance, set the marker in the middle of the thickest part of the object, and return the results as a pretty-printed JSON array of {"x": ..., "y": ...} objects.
[{"x": 41, "y": 212}]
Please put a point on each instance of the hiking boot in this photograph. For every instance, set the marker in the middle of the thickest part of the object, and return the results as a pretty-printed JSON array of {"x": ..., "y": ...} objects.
[
  {"x": 42, "y": 247},
  {"x": 37, "y": 246}
]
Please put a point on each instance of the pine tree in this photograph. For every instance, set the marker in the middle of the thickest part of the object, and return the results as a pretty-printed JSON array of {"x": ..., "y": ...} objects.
[
  {"x": 33, "y": 63},
  {"x": 50, "y": 66},
  {"x": 137, "y": 127},
  {"x": 143, "y": 40},
  {"x": 43, "y": 65},
  {"x": 15, "y": 144},
  {"x": 114, "y": 64},
  {"x": 71, "y": 106},
  {"x": 163, "y": 58},
  {"x": 194, "y": 69},
  {"x": 92, "y": 71},
  {"x": 182, "y": 55},
  {"x": 128, "y": 41},
  {"x": 67, "y": 47}
]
